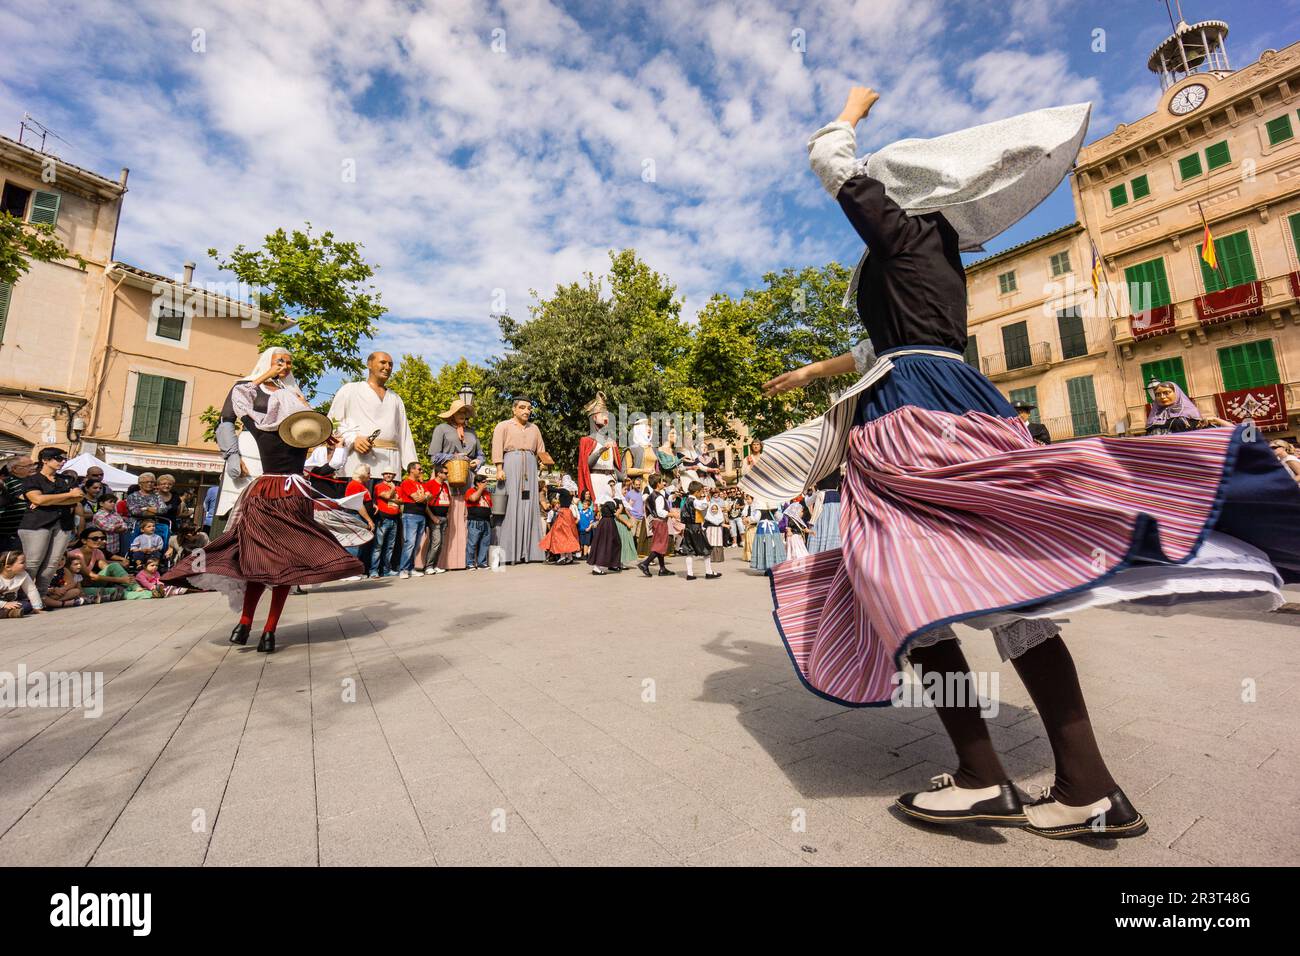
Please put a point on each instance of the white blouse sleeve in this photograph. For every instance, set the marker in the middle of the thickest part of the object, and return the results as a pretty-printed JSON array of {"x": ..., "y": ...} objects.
[
  {"x": 280, "y": 405},
  {"x": 831, "y": 153},
  {"x": 864, "y": 355}
]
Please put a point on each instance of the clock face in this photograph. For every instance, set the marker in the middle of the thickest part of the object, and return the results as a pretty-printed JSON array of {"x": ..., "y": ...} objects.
[{"x": 1187, "y": 99}]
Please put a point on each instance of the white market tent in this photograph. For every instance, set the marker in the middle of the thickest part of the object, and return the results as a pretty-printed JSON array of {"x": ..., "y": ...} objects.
[{"x": 115, "y": 478}]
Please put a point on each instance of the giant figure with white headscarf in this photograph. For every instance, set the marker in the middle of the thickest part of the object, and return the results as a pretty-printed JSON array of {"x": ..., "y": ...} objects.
[{"x": 951, "y": 512}]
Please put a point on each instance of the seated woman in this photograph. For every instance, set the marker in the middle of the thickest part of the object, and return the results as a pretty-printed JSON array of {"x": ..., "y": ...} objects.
[{"x": 1172, "y": 411}]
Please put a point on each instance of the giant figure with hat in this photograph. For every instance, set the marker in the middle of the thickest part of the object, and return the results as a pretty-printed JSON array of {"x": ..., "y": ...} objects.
[
  {"x": 455, "y": 441},
  {"x": 281, "y": 532},
  {"x": 599, "y": 460}
]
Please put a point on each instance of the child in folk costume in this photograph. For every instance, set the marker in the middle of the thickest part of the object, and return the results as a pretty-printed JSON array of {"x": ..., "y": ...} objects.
[
  {"x": 826, "y": 515},
  {"x": 281, "y": 532},
  {"x": 715, "y": 517},
  {"x": 657, "y": 512},
  {"x": 606, "y": 547},
  {"x": 561, "y": 540},
  {"x": 695, "y": 540},
  {"x": 795, "y": 528},
  {"x": 947, "y": 498},
  {"x": 625, "y": 524},
  {"x": 768, "y": 549}
]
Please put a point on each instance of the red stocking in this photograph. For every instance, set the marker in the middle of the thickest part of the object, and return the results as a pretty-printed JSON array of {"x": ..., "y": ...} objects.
[
  {"x": 252, "y": 594},
  {"x": 279, "y": 594}
]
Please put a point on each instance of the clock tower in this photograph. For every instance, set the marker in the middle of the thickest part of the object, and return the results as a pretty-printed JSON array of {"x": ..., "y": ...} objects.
[{"x": 1187, "y": 58}]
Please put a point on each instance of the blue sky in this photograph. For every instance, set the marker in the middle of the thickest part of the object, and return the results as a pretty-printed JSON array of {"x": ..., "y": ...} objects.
[{"x": 501, "y": 148}]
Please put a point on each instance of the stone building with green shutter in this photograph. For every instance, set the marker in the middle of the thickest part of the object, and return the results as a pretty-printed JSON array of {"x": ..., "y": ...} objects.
[
  {"x": 49, "y": 317},
  {"x": 1222, "y": 147}
]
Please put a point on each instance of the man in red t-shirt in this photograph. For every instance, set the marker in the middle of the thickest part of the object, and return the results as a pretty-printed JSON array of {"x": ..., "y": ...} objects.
[
  {"x": 357, "y": 486},
  {"x": 386, "y": 512},
  {"x": 413, "y": 498},
  {"x": 439, "y": 501}
]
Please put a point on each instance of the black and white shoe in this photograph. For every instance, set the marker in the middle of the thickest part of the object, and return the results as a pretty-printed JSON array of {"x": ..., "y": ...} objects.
[
  {"x": 713, "y": 575},
  {"x": 945, "y": 802},
  {"x": 1111, "y": 816}
]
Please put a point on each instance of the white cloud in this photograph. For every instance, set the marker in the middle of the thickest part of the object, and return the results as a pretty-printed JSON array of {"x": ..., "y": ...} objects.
[{"x": 479, "y": 170}]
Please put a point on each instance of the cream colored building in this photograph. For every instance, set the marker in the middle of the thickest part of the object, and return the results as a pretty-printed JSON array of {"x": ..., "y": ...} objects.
[
  {"x": 1037, "y": 331},
  {"x": 165, "y": 352},
  {"x": 1222, "y": 143},
  {"x": 110, "y": 358},
  {"x": 50, "y": 316}
]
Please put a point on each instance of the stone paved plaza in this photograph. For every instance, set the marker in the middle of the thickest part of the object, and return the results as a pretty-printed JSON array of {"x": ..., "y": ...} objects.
[{"x": 545, "y": 716}]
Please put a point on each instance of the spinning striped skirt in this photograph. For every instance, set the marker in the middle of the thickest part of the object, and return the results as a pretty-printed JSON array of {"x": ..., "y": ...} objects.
[{"x": 950, "y": 512}]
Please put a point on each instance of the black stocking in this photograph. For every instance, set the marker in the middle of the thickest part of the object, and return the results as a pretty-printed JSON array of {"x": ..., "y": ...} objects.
[{"x": 978, "y": 765}]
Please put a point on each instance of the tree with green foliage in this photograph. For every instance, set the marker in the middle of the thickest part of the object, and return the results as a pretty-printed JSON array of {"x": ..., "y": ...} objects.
[
  {"x": 631, "y": 344},
  {"x": 426, "y": 395},
  {"x": 319, "y": 283},
  {"x": 741, "y": 343},
  {"x": 22, "y": 243}
]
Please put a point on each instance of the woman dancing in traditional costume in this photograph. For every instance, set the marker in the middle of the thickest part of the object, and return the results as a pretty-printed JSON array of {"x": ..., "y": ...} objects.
[
  {"x": 947, "y": 501},
  {"x": 281, "y": 531}
]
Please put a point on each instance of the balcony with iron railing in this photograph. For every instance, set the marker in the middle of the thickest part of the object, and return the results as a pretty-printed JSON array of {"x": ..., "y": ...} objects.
[
  {"x": 1035, "y": 357},
  {"x": 1080, "y": 425}
]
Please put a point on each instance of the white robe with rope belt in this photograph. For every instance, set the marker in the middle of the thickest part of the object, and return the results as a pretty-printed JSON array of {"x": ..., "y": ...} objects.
[{"x": 360, "y": 413}]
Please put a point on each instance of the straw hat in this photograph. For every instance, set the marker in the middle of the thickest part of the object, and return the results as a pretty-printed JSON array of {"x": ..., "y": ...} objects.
[
  {"x": 456, "y": 406},
  {"x": 305, "y": 429}
]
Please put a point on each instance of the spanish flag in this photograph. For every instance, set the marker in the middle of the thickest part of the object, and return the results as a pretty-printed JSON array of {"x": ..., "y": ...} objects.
[{"x": 1207, "y": 243}]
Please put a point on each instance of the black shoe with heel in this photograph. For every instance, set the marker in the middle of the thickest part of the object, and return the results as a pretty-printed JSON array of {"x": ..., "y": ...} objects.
[
  {"x": 240, "y": 634},
  {"x": 267, "y": 644}
]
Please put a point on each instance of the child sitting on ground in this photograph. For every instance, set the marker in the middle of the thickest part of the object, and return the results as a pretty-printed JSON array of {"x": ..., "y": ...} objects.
[
  {"x": 150, "y": 578},
  {"x": 18, "y": 593},
  {"x": 65, "y": 587}
]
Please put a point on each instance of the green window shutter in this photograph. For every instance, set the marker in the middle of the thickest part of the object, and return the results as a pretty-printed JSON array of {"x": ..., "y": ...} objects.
[
  {"x": 169, "y": 415},
  {"x": 1083, "y": 406},
  {"x": 1118, "y": 196},
  {"x": 148, "y": 406},
  {"x": 1029, "y": 395},
  {"x": 1236, "y": 262},
  {"x": 1217, "y": 155},
  {"x": 1295, "y": 232},
  {"x": 45, "y": 208},
  {"x": 1279, "y": 130},
  {"x": 1165, "y": 370},
  {"x": 1189, "y": 167},
  {"x": 972, "y": 356},
  {"x": 1015, "y": 345},
  {"x": 1141, "y": 187},
  {"x": 1007, "y": 282},
  {"x": 1249, "y": 365},
  {"x": 171, "y": 325},
  {"x": 1061, "y": 263},
  {"x": 1073, "y": 340},
  {"x": 6, "y": 293},
  {"x": 1147, "y": 278}
]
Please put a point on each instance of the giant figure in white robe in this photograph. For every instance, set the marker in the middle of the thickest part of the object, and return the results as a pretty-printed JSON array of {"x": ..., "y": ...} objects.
[{"x": 372, "y": 421}]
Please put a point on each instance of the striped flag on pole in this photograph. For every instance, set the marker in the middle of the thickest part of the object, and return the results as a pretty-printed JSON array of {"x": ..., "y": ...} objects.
[
  {"x": 1096, "y": 270},
  {"x": 1207, "y": 243}
]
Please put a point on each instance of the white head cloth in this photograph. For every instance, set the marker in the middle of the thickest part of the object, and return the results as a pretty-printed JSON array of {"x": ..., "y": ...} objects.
[
  {"x": 264, "y": 365},
  {"x": 983, "y": 179}
]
